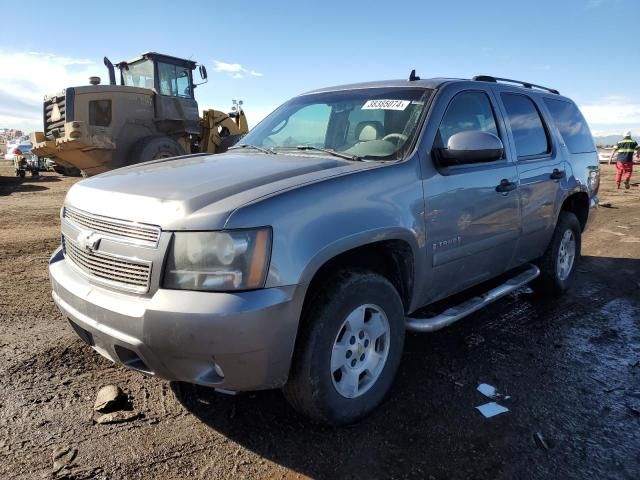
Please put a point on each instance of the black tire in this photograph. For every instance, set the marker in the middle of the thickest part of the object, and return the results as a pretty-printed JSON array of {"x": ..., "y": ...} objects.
[
  {"x": 153, "y": 148},
  {"x": 310, "y": 388},
  {"x": 549, "y": 280},
  {"x": 22, "y": 173},
  {"x": 66, "y": 171},
  {"x": 72, "y": 172}
]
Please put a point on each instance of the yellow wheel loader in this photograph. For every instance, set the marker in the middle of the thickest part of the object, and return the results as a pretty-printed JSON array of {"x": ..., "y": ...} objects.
[{"x": 150, "y": 113}]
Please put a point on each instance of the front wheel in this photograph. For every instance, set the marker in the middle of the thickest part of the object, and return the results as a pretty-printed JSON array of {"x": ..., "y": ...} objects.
[
  {"x": 558, "y": 263},
  {"x": 349, "y": 349},
  {"x": 154, "y": 148}
]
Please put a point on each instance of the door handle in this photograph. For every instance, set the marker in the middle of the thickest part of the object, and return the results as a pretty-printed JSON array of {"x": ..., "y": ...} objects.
[
  {"x": 506, "y": 186},
  {"x": 556, "y": 174}
]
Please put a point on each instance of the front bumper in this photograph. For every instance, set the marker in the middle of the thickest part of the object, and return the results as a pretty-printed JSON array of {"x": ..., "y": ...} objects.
[{"x": 183, "y": 335}]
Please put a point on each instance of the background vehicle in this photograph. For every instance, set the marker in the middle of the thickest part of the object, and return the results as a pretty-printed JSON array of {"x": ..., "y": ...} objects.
[
  {"x": 24, "y": 162},
  {"x": 346, "y": 217},
  {"x": 23, "y": 144},
  {"x": 152, "y": 113}
]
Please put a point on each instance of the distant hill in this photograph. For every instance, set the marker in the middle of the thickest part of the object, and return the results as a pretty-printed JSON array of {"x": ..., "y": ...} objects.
[{"x": 607, "y": 139}]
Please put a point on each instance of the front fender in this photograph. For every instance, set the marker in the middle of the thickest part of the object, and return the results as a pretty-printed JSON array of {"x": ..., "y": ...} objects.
[
  {"x": 314, "y": 223},
  {"x": 362, "y": 239}
]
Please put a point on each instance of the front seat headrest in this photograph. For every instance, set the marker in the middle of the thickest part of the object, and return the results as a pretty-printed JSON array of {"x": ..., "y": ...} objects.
[{"x": 367, "y": 131}]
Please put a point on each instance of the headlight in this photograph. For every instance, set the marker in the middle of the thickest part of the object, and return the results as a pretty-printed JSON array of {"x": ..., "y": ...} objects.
[{"x": 218, "y": 261}]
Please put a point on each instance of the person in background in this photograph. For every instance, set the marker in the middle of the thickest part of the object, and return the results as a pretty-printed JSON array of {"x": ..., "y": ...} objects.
[{"x": 623, "y": 153}]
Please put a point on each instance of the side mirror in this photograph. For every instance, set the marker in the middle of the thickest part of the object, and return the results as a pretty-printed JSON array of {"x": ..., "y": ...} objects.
[
  {"x": 203, "y": 72},
  {"x": 471, "y": 147}
]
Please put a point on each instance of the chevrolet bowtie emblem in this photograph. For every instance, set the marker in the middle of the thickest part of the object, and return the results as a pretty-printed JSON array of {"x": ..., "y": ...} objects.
[{"x": 88, "y": 240}]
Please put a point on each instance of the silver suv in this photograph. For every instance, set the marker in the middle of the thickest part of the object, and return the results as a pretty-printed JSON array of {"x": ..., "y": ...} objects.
[{"x": 299, "y": 258}]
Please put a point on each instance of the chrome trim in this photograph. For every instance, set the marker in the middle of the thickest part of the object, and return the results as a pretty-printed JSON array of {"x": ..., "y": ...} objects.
[
  {"x": 101, "y": 267},
  {"x": 453, "y": 314},
  {"x": 123, "y": 231}
]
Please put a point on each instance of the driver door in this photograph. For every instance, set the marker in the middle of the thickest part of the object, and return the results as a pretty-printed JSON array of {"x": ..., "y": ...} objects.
[{"x": 471, "y": 227}]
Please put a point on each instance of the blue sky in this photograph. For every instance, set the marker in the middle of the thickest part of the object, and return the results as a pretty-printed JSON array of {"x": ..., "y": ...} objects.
[{"x": 270, "y": 51}]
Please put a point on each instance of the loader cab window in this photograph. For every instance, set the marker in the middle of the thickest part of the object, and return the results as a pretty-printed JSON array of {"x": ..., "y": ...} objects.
[
  {"x": 138, "y": 74},
  {"x": 175, "y": 81}
]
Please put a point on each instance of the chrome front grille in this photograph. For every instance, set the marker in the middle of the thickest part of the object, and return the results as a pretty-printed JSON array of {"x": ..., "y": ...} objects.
[
  {"x": 127, "y": 232},
  {"x": 120, "y": 272}
]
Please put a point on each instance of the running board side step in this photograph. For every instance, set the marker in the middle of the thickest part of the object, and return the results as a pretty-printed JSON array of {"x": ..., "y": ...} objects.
[{"x": 457, "y": 312}]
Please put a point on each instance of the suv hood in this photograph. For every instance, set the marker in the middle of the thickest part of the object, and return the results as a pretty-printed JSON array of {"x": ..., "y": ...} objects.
[{"x": 198, "y": 192}]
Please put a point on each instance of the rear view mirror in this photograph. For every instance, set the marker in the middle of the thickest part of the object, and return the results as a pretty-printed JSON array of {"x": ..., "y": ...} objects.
[
  {"x": 203, "y": 72},
  {"x": 471, "y": 147}
]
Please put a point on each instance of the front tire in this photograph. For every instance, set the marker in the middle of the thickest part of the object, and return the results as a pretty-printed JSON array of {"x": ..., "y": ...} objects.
[
  {"x": 349, "y": 348},
  {"x": 558, "y": 263},
  {"x": 154, "y": 148}
]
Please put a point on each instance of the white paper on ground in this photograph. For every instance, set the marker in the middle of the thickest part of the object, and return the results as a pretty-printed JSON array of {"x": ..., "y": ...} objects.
[
  {"x": 487, "y": 390},
  {"x": 491, "y": 409}
]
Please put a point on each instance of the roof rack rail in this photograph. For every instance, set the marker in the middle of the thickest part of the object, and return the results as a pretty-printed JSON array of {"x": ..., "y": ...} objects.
[{"x": 489, "y": 78}]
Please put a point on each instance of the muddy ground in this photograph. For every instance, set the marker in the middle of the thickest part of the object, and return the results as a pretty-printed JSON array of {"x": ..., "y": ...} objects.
[{"x": 571, "y": 367}]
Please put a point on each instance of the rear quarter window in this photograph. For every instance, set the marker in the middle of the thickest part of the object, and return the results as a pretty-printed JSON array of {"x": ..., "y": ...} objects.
[{"x": 572, "y": 125}]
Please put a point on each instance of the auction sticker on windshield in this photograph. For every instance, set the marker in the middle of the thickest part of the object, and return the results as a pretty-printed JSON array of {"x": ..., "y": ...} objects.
[{"x": 386, "y": 105}]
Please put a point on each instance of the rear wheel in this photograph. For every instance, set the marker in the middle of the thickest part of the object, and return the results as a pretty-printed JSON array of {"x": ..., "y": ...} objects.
[
  {"x": 558, "y": 263},
  {"x": 154, "y": 148},
  {"x": 349, "y": 348}
]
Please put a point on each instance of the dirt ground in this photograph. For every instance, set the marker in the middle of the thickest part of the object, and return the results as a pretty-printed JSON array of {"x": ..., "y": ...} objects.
[{"x": 571, "y": 367}]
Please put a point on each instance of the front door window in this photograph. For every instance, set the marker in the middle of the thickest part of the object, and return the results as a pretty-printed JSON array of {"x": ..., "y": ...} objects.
[{"x": 174, "y": 80}]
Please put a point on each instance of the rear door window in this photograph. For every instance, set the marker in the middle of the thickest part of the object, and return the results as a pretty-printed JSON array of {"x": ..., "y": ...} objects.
[
  {"x": 527, "y": 127},
  {"x": 573, "y": 128}
]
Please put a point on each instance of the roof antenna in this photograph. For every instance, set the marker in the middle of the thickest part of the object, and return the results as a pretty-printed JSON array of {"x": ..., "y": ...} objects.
[{"x": 412, "y": 76}]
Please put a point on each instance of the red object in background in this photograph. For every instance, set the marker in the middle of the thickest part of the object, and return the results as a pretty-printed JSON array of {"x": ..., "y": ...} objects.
[
  {"x": 624, "y": 169},
  {"x": 17, "y": 151}
]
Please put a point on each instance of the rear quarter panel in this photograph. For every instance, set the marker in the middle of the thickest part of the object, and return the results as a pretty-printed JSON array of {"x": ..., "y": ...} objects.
[{"x": 578, "y": 166}]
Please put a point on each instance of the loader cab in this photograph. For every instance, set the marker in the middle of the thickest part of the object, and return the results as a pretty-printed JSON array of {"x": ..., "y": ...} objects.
[
  {"x": 171, "y": 80},
  {"x": 169, "y": 76}
]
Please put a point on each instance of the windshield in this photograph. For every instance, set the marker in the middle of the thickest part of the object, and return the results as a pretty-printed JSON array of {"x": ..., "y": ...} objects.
[
  {"x": 373, "y": 123},
  {"x": 138, "y": 74}
]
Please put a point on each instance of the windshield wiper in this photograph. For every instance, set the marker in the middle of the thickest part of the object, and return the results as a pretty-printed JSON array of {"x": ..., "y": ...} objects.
[
  {"x": 346, "y": 156},
  {"x": 255, "y": 147}
]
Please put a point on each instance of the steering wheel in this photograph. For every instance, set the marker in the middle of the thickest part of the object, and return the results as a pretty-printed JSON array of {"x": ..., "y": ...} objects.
[{"x": 398, "y": 137}]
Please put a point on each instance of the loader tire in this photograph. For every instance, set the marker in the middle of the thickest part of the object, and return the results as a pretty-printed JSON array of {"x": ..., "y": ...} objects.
[{"x": 154, "y": 148}]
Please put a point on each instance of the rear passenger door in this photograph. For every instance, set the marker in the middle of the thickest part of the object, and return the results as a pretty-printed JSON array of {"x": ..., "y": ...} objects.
[
  {"x": 472, "y": 226},
  {"x": 541, "y": 171}
]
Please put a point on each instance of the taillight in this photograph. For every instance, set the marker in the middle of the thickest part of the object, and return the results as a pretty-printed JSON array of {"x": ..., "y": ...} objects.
[
  {"x": 593, "y": 180},
  {"x": 17, "y": 151}
]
